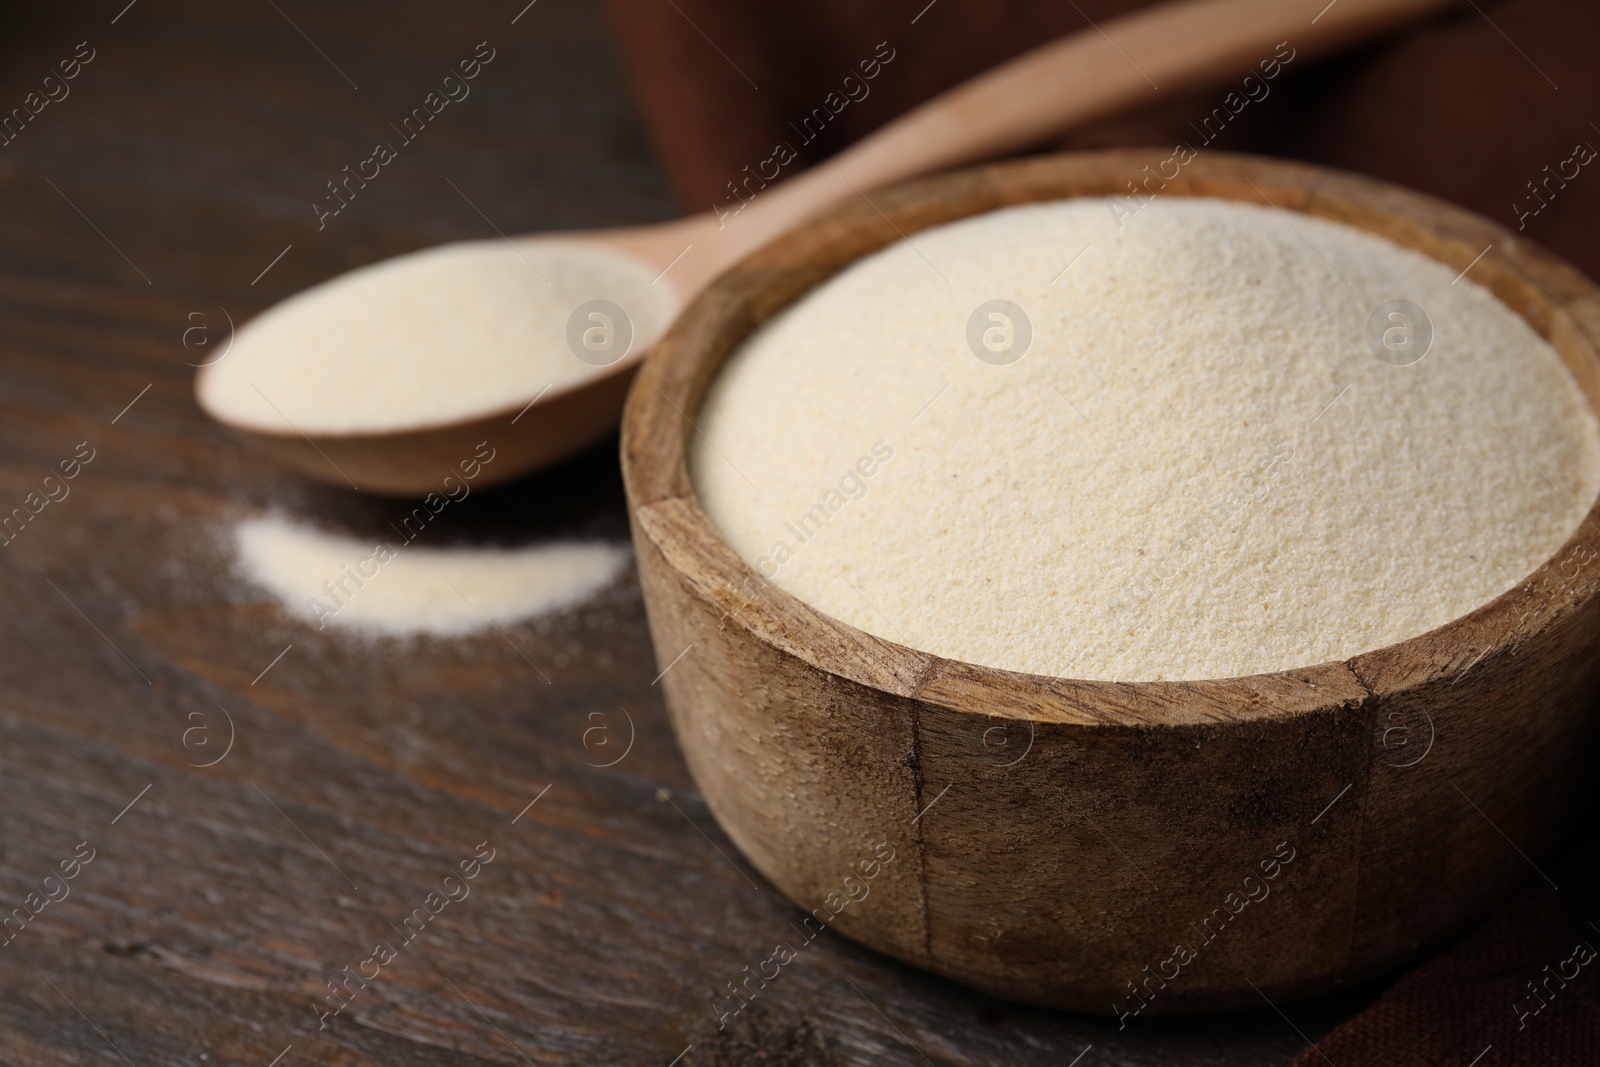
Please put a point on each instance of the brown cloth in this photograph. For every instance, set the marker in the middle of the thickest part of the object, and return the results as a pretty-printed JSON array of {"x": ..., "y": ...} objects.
[
  {"x": 1472, "y": 107},
  {"x": 1524, "y": 987}
]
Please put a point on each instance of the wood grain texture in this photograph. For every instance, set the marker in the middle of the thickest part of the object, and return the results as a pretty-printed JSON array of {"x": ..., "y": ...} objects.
[
  {"x": 410, "y": 464},
  {"x": 1119, "y": 820},
  {"x": 212, "y": 914}
]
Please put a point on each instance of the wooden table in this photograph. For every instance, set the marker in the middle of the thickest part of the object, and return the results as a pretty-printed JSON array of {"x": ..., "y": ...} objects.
[{"x": 266, "y": 802}]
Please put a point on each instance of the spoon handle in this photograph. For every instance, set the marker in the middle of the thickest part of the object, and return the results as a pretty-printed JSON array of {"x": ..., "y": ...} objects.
[{"x": 1086, "y": 75}]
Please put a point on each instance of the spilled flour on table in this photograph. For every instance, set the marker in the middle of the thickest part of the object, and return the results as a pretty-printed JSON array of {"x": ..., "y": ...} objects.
[{"x": 376, "y": 588}]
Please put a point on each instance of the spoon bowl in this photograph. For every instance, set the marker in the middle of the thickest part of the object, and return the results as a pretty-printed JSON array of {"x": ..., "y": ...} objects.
[{"x": 388, "y": 434}]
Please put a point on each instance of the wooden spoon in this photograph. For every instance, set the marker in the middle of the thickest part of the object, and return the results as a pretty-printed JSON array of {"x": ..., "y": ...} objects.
[{"x": 1087, "y": 75}]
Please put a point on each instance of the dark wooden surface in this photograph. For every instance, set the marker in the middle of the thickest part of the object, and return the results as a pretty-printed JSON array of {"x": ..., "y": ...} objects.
[{"x": 218, "y": 905}]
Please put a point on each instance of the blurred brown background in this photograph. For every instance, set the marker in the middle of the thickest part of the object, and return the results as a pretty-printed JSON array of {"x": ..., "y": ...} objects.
[{"x": 1470, "y": 106}]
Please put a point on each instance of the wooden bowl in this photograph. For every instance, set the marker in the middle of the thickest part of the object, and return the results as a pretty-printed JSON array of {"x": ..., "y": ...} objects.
[{"x": 1118, "y": 847}]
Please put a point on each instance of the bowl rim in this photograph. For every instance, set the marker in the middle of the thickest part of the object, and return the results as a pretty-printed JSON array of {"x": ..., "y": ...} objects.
[{"x": 1557, "y": 301}]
